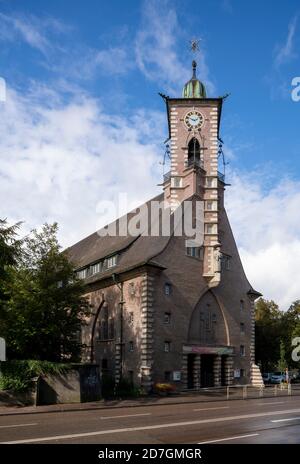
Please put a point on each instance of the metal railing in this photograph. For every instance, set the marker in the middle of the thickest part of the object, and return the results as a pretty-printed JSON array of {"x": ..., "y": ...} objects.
[
  {"x": 238, "y": 392},
  {"x": 221, "y": 176}
]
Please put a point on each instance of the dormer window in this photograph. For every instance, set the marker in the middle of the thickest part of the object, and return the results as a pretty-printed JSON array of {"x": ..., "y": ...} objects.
[
  {"x": 194, "y": 152},
  {"x": 111, "y": 261},
  {"x": 82, "y": 274}
]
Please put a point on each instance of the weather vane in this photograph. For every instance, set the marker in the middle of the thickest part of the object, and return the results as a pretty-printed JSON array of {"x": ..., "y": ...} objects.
[{"x": 194, "y": 45}]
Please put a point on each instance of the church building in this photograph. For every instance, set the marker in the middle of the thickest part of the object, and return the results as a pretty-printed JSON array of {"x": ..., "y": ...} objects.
[{"x": 165, "y": 308}]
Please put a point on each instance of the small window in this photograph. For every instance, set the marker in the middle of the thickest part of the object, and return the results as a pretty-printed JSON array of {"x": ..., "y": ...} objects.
[
  {"x": 242, "y": 327},
  {"x": 168, "y": 289},
  {"x": 210, "y": 228},
  {"x": 242, "y": 372},
  {"x": 209, "y": 205},
  {"x": 195, "y": 252},
  {"x": 167, "y": 347},
  {"x": 242, "y": 305},
  {"x": 82, "y": 274},
  {"x": 131, "y": 346},
  {"x": 130, "y": 318},
  {"x": 225, "y": 262},
  {"x": 112, "y": 261},
  {"x": 210, "y": 182},
  {"x": 242, "y": 350},
  {"x": 131, "y": 289},
  {"x": 167, "y": 318},
  {"x": 167, "y": 376},
  {"x": 176, "y": 182},
  {"x": 95, "y": 268}
]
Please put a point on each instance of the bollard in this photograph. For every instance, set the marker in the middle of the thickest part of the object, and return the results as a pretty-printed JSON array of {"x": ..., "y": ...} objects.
[
  {"x": 261, "y": 391},
  {"x": 289, "y": 389},
  {"x": 244, "y": 393},
  {"x": 227, "y": 393}
]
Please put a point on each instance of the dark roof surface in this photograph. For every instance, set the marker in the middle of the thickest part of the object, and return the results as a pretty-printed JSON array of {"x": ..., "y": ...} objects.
[{"x": 133, "y": 250}]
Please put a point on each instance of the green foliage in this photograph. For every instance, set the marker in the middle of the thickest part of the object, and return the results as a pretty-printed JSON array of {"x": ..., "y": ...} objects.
[
  {"x": 9, "y": 253},
  {"x": 282, "y": 364},
  {"x": 44, "y": 307},
  {"x": 268, "y": 333},
  {"x": 274, "y": 332},
  {"x": 124, "y": 389},
  {"x": 18, "y": 375}
]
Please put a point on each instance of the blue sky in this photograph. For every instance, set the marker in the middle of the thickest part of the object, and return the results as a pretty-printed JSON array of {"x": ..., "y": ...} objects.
[{"x": 83, "y": 119}]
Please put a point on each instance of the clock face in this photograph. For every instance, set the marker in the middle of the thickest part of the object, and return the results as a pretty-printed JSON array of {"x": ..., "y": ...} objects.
[{"x": 193, "y": 119}]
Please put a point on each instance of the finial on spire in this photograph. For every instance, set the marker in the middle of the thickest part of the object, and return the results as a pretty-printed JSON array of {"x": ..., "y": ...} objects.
[{"x": 194, "y": 64}]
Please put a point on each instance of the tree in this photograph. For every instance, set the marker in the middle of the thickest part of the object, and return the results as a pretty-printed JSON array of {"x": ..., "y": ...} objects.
[
  {"x": 282, "y": 364},
  {"x": 291, "y": 323},
  {"x": 45, "y": 307},
  {"x": 268, "y": 333},
  {"x": 9, "y": 252}
]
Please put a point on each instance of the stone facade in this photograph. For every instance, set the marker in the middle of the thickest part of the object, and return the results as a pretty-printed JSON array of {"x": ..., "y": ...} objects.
[{"x": 159, "y": 312}]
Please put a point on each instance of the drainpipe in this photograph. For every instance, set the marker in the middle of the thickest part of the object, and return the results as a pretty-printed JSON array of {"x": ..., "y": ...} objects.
[{"x": 121, "y": 305}]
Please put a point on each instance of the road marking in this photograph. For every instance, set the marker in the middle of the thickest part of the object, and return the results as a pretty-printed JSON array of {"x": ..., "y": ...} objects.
[
  {"x": 272, "y": 402},
  {"x": 128, "y": 415},
  {"x": 229, "y": 438},
  {"x": 154, "y": 427},
  {"x": 16, "y": 425},
  {"x": 284, "y": 420},
  {"x": 211, "y": 409}
]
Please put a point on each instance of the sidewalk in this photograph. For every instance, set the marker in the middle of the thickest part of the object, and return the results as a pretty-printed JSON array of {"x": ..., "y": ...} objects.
[{"x": 110, "y": 404}]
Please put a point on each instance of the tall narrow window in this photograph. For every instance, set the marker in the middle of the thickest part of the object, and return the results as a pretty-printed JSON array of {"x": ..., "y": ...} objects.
[
  {"x": 194, "y": 152},
  {"x": 242, "y": 350},
  {"x": 105, "y": 324},
  {"x": 167, "y": 347}
]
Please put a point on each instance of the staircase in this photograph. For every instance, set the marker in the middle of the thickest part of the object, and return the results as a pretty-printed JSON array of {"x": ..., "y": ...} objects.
[{"x": 255, "y": 375}]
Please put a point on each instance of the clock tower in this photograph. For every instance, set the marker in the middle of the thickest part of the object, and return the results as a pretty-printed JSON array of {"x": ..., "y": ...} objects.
[{"x": 194, "y": 122}]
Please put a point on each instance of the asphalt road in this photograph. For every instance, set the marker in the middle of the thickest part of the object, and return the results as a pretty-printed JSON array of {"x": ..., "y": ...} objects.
[{"x": 265, "y": 420}]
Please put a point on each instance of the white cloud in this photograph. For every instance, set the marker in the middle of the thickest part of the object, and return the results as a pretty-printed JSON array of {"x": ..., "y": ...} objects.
[
  {"x": 156, "y": 48},
  {"x": 32, "y": 30},
  {"x": 266, "y": 225},
  {"x": 285, "y": 52},
  {"x": 58, "y": 160}
]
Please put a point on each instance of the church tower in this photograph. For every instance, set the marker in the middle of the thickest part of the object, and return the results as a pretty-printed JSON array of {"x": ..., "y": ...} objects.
[{"x": 194, "y": 123}]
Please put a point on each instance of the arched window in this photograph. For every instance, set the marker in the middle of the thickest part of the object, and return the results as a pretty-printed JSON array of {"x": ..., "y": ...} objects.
[{"x": 194, "y": 152}]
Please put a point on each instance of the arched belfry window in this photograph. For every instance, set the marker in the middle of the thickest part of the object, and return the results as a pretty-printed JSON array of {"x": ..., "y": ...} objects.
[{"x": 194, "y": 152}]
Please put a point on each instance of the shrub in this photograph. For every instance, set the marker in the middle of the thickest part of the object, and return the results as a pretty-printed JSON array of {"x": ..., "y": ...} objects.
[{"x": 18, "y": 375}]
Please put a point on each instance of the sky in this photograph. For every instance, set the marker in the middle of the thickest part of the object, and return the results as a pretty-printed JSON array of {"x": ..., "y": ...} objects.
[{"x": 82, "y": 119}]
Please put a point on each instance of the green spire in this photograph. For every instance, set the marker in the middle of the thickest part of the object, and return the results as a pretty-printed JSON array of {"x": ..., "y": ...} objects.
[{"x": 194, "y": 88}]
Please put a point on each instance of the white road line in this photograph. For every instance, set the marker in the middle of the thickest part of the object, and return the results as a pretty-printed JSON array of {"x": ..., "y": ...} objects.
[
  {"x": 272, "y": 402},
  {"x": 212, "y": 409},
  {"x": 128, "y": 415},
  {"x": 154, "y": 427},
  {"x": 229, "y": 438},
  {"x": 16, "y": 425},
  {"x": 284, "y": 420}
]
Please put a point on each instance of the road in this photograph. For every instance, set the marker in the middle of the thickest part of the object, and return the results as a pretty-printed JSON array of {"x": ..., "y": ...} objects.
[{"x": 265, "y": 420}]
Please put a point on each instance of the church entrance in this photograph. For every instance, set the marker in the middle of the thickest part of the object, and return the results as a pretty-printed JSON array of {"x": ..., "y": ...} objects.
[
  {"x": 207, "y": 370},
  {"x": 190, "y": 370}
]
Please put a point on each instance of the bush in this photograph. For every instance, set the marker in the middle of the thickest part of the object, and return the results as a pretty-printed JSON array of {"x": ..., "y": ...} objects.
[
  {"x": 18, "y": 375},
  {"x": 126, "y": 388}
]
